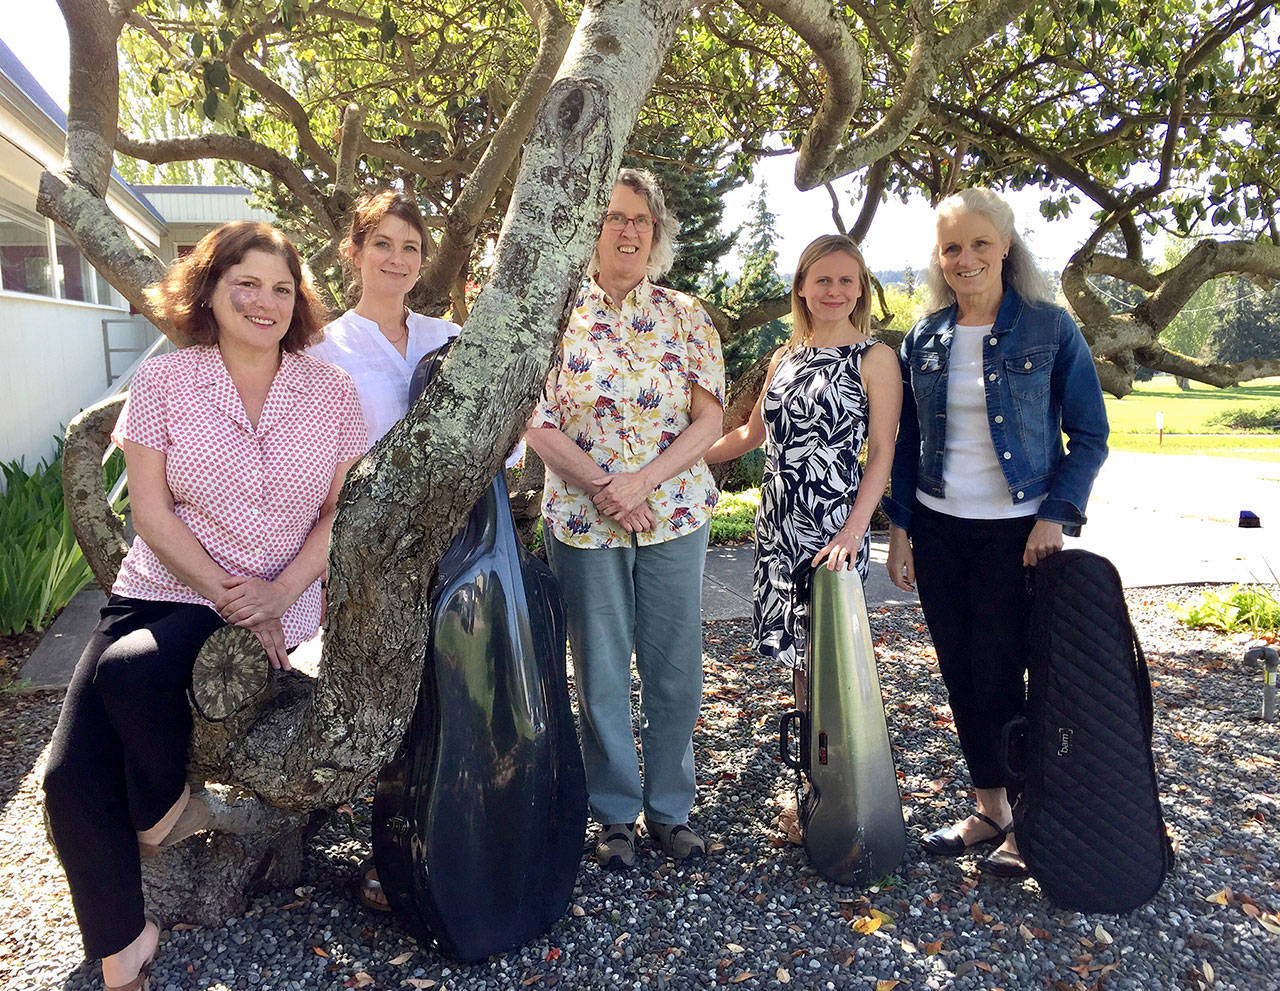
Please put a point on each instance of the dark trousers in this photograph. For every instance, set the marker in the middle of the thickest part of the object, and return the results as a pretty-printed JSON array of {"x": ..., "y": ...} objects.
[
  {"x": 118, "y": 760},
  {"x": 974, "y": 595}
]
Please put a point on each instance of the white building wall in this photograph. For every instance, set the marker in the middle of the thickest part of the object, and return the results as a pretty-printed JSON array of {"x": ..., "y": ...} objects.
[{"x": 53, "y": 366}]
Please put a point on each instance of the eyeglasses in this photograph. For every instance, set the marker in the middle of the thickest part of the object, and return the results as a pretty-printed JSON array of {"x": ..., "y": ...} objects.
[{"x": 619, "y": 221}]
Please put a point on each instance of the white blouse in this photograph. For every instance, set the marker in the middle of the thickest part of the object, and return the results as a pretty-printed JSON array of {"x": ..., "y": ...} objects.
[{"x": 356, "y": 345}]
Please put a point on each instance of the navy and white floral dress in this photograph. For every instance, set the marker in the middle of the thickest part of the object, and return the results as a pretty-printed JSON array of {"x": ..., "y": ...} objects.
[{"x": 815, "y": 416}]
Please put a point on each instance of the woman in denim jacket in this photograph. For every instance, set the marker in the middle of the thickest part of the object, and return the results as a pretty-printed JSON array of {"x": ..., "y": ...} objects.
[{"x": 981, "y": 485}]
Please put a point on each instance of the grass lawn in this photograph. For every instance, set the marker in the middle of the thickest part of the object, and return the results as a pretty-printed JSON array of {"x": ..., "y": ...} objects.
[
  {"x": 1133, "y": 419},
  {"x": 1184, "y": 412}
]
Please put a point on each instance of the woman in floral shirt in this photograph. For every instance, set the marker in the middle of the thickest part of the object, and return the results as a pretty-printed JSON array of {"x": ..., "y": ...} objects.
[{"x": 628, "y": 410}]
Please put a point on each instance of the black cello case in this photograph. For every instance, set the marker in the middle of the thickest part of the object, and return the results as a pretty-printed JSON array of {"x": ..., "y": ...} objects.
[
  {"x": 1088, "y": 821},
  {"x": 851, "y": 814},
  {"x": 478, "y": 821}
]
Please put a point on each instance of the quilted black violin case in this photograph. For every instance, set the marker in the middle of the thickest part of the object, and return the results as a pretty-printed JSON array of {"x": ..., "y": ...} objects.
[{"x": 1088, "y": 822}]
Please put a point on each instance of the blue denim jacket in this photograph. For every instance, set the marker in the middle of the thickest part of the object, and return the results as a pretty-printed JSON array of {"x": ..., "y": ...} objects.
[{"x": 1040, "y": 383}]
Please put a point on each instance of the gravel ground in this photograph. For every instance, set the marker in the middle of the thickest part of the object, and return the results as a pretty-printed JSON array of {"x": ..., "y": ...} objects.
[{"x": 754, "y": 915}]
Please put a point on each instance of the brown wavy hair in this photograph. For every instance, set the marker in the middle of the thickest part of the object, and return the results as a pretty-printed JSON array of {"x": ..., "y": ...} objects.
[
  {"x": 183, "y": 296},
  {"x": 366, "y": 215}
]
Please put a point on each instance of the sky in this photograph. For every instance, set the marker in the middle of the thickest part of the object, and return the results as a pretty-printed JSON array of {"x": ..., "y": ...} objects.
[{"x": 901, "y": 235}]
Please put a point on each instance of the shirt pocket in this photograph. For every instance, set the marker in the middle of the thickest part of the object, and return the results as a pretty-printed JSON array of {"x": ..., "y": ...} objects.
[
  {"x": 926, "y": 373},
  {"x": 1028, "y": 374}
]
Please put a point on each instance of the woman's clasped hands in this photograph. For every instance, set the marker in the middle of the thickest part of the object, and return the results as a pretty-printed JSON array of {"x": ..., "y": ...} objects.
[
  {"x": 622, "y": 497},
  {"x": 257, "y": 605}
]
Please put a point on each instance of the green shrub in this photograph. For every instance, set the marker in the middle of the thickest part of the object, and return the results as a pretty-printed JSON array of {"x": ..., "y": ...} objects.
[
  {"x": 1255, "y": 417},
  {"x": 735, "y": 516},
  {"x": 1240, "y": 608},
  {"x": 41, "y": 566}
]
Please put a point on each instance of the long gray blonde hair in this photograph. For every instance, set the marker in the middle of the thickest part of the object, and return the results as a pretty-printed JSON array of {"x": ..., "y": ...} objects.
[{"x": 1020, "y": 271}]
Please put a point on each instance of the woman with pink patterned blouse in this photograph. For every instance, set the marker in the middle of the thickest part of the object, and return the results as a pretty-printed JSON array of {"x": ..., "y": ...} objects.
[
  {"x": 628, "y": 410},
  {"x": 236, "y": 449}
]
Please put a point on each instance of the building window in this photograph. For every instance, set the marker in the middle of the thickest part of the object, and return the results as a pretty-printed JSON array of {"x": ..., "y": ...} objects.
[
  {"x": 74, "y": 273},
  {"x": 24, "y": 252}
]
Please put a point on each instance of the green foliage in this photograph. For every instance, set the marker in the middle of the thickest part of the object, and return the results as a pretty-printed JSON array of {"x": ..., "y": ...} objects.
[
  {"x": 1240, "y": 608},
  {"x": 694, "y": 180},
  {"x": 735, "y": 516},
  {"x": 1248, "y": 418},
  {"x": 41, "y": 566},
  {"x": 757, "y": 281}
]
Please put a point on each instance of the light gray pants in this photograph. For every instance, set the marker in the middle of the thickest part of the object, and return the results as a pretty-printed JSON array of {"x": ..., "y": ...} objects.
[{"x": 646, "y": 598}]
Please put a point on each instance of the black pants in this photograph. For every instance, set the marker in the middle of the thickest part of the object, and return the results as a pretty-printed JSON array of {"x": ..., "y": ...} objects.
[
  {"x": 974, "y": 595},
  {"x": 119, "y": 757}
]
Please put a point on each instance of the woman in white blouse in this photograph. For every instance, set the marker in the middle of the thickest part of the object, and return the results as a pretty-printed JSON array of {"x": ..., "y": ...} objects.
[{"x": 380, "y": 341}]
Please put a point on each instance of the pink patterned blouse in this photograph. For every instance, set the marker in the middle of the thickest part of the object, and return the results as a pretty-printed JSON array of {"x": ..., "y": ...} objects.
[{"x": 249, "y": 496}]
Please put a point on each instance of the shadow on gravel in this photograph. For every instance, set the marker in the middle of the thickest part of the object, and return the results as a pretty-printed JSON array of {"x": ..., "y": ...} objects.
[
  {"x": 27, "y": 720},
  {"x": 753, "y": 915}
]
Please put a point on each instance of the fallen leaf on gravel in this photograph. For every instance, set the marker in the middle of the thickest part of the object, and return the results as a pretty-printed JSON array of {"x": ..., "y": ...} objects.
[
  {"x": 734, "y": 948},
  {"x": 933, "y": 897},
  {"x": 934, "y": 948},
  {"x": 183, "y": 926},
  {"x": 783, "y": 975},
  {"x": 403, "y": 958},
  {"x": 578, "y": 911},
  {"x": 983, "y": 966},
  {"x": 419, "y": 983},
  {"x": 1026, "y": 933},
  {"x": 907, "y": 946},
  {"x": 1102, "y": 936},
  {"x": 1039, "y": 933},
  {"x": 715, "y": 848},
  {"x": 746, "y": 975},
  {"x": 318, "y": 952},
  {"x": 293, "y": 905},
  {"x": 979, "y": 916},
  {"x": 358, "y": 980},
  {"x": 886, "y": 985},
  {"x": 1208, "y": 972},
  {"x": 866, "y": 925},
  {"x": 1270, "y": 921},
  {"x": 531, "y": 979},
  {"x": 1219, "y": 897},
  {"x": 552, "y": 954}
]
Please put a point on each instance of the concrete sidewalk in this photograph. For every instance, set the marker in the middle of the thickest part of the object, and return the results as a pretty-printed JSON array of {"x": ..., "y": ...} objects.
[{"x": 1161, "y": 519}]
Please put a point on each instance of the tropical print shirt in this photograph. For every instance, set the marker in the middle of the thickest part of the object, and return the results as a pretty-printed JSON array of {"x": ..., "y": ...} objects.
[{"x": 622, "y": 387}]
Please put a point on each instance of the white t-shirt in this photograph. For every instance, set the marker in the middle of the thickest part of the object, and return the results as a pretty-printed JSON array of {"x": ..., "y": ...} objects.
[
  {"x": 356, "y": 345},
  {"x": 972, "y": 479}
]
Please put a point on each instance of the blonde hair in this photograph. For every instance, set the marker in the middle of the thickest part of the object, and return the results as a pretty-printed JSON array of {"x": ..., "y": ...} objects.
[
  {"x": 815, "y": 251},
  {"x": 1019, "y": 272}
]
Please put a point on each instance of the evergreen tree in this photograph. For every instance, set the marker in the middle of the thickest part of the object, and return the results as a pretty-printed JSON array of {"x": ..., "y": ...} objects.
[
  {"x": 758, "y": 280},
  {"x": 694, "y": 180}
]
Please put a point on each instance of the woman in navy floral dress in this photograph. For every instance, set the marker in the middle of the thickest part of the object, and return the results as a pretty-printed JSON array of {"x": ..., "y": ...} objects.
[{"x": 830, "y": 390}]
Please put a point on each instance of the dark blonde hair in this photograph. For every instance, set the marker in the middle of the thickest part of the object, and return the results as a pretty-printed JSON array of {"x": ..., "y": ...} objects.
[
  {"x": 183, "y": 296},
  {"x": 370, "y": 210},
  {"x": 815, "y": 251}
]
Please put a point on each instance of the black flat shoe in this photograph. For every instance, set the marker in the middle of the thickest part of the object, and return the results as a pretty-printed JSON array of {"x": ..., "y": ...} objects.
[
  {"x": 1002, "y": 863},
  {"x": 947, "y": 842}
]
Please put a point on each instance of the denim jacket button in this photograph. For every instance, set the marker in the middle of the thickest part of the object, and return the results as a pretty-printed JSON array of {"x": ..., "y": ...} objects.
[
  {"x": 991, "y": 377},
  {"x": 999, "y": 418},
  {"x": 1019, "y": 495},
  {"x": 1008, "y": 455},
  {"x": 1027, "y": 365},
  {"x": 993, "y": 342}
]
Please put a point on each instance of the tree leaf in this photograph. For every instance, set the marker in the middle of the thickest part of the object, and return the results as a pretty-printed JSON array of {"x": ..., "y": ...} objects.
[
  {"x": 866, "y": 925},
  {"x": 402, "y": 958},
  {"x": 783, "y": 975}
]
